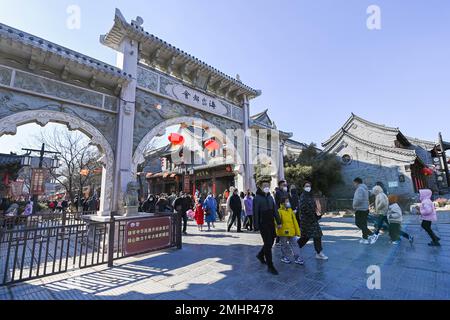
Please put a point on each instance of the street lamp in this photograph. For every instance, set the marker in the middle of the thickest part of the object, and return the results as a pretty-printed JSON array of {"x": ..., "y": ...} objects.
[{"x": 55, "y": 163}]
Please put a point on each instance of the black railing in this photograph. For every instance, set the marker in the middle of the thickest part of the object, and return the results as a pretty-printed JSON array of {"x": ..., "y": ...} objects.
[{"x": 44, "y": 245}]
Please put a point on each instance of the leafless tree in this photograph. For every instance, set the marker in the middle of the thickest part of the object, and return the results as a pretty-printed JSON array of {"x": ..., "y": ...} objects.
[{"x": 78, "y": 160}]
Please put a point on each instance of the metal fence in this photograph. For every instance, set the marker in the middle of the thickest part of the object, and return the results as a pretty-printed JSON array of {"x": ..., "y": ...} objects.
[{"x": 37, "y": 247}]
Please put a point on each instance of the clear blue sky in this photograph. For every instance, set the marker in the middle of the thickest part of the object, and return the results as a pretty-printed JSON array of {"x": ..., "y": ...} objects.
[{"x": 314, "y": 60}]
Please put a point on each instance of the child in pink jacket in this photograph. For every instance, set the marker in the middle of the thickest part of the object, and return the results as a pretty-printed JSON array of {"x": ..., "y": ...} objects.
[{"x": 428, "y": 213}]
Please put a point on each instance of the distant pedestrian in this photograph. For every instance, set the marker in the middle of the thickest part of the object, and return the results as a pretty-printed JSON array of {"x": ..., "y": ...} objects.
[
  {"x": 309, "y": 221},
  {"x": 288, "y": 232},
  {"x": 236, "y": 209},
  {"x": 265, "y": 214},
  {"x": 248, "y": 207},
  {"x": 428, "y": 215},
  {"x": 242, "y": 195},
  {"x": 210, "y": 207},
  {"x": 199, "y": 215},
  {"x": 361, "y": 207},
  {"x": 294, "y": 198}
]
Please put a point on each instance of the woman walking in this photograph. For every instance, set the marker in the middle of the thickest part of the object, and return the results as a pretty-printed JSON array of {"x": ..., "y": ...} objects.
[
  {"x": 309, "y": 221},
  {"x": 210, "y": 207},
  {"x": 428, "y": 213},
  {"x": 248, "y": 205}
]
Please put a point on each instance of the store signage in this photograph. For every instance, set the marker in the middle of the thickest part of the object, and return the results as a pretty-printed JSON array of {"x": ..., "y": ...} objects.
[
  {"x": 149, "y": 234},
  {"x": 37, "y": 182}
]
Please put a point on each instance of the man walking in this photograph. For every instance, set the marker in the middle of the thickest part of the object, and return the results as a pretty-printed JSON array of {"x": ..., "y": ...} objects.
[
  {"x": 236, "y": 209},
  {"x": 265, "y": 214},
  {"x": 361, "y": 207}
]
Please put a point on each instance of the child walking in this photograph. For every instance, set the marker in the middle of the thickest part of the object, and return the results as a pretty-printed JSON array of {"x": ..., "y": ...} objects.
[
  {"x": 199, "y": 215},
  {"x": 289, "y": 229},
  {"x": 394, "y": 216},
  {"x": 428, "y": 215}
]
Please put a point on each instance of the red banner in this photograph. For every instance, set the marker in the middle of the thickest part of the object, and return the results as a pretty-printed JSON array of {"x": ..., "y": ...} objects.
[
  {"x": 149, "y": 234},
  {"x": 37, "y": 182}
]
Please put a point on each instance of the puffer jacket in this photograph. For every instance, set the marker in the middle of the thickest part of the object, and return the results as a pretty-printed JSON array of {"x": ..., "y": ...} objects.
[
  {"x": 381, "y": 201},
  {"x": 394, "y": 213},
  {"x": 427, "y": 209},
  {"x": 361, "y": 198},
  {"x": 264, "y": 212},
  {"x": 289, "y": 224}
]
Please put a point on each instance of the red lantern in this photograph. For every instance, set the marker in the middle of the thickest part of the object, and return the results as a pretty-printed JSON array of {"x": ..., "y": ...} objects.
[
  {"x": 211, "y": 145},
  {"x": 176, "y": 139}
]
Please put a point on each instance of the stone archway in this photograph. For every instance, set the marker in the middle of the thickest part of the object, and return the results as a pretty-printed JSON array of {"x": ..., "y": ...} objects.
[
  {"x": 9, "y": 124},
  {"x": 138, "y": 156}
]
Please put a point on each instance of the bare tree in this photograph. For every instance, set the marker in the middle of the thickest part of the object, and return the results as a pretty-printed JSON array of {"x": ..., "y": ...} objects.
[{"x": 78, "y": 159}]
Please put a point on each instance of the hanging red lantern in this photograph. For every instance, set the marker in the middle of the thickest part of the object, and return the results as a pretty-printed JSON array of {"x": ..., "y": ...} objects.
[
  {"x": 176, "y": 139},
  {"x": 211, "y": 145}
]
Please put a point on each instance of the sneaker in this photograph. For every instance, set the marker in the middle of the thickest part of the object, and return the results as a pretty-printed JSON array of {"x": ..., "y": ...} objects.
[
  {"x": 395, "y": 242},
  {"x": 364, "y": 241},
  {"x": 373, "y": 238},
  {"x": 411, "y": 239},
  {"x": 285, "y": 260},
  {"x": 272, "y": 270},
  {"x": 299, "y": 261},
  {"x": 434, "y": 244},
  {"x": 321, "y": 256}
]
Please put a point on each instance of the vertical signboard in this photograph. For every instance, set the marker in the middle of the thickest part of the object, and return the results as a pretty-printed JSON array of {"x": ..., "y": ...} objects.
[{"x": 37, "y": 182}]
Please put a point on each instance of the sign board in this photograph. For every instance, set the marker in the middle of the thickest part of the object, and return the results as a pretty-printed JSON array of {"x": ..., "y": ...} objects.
[
  {"x": 16, "y": 188},
  {"x": 187, "y": 184},
  {"x": 393, "y": 184},
  {"x": 148, "y": 234},
  {"x": 37, "y": 181}
]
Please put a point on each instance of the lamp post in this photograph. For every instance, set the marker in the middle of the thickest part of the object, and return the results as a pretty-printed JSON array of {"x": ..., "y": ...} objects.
[{"x": 27, "y": 162}]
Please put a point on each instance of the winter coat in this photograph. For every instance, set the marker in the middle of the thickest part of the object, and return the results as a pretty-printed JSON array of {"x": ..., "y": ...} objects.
[
  {"x": 248, "y": 204},
  {"x": 210, "y": 204},
  {"x": 361, "y": 198},
  {"x": 235, "y": 204},
  {"x": 199, "y": 215},
  {"x": 264, "y": 213},
  {"x": 309, "y": 222},
  {"x": 381, "y": 201},
  {"x": 149, "y": 204},
  {"x": 394, "y": 214},
  {"x": 427, "y": 209},
  {"x": 289, "y": 224}
]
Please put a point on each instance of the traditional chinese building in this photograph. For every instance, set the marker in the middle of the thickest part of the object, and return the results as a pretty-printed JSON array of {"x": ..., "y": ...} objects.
[{"x": 381, "y": 154}]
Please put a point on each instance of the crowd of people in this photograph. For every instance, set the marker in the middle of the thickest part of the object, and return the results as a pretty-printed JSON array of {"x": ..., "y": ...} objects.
[{"x": 389, "y": 215}]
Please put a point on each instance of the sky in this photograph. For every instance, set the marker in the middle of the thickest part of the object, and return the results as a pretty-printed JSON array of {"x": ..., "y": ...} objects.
[{"x": 316, "y": 61}]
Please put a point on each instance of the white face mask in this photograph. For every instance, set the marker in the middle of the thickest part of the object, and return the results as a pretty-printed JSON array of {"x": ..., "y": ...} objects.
[
  {"x": 266, "y": 190},
  {"x": 308, "y": 189},
  {"x": 285, "y": 189},
  {"x": 287, "y": 205}
]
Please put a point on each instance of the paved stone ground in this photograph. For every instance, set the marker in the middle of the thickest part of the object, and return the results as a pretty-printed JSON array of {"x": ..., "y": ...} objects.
[{"x": 220, "y": 265}]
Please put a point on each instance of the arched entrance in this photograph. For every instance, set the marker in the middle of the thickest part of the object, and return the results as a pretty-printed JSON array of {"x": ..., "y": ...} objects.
[
  {"x": 139, "y": 153},
  {"x": 9, "y": 124}
]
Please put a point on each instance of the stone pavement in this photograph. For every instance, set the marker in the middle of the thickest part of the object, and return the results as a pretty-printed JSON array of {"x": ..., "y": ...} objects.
[{"x": 220, "y": 265}]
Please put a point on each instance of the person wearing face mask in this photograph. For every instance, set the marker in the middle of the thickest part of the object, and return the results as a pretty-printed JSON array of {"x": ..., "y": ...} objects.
[
  {"x": 281, "y": 192},
  {"x": 236, "y": 209},
  {"x": 287, "y": 233},
  {"x": 265, "y": 216},
  {"x": 309, "y": 221},
  {"x": 149, "y": 204},
  {"x": 210, "y": 207}
]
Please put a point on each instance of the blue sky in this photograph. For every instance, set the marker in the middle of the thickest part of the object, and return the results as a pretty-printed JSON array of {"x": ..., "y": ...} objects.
[{"x": 314, "y": 60}]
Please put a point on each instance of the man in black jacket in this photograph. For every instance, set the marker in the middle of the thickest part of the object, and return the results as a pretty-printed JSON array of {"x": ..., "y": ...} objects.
[
  {"x": 236, "y": 209},
  {"x": 265, "y": 213}
]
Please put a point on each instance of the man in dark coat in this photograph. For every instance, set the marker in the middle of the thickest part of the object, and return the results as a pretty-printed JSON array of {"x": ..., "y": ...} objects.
[
  {"x": 149, "y": 204},
  {"x": 182, "y": 205},
  {"x": 236, "y": 209},
  {"x": 265, "y": 213},
  {"x": 281, "y": 192}
]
